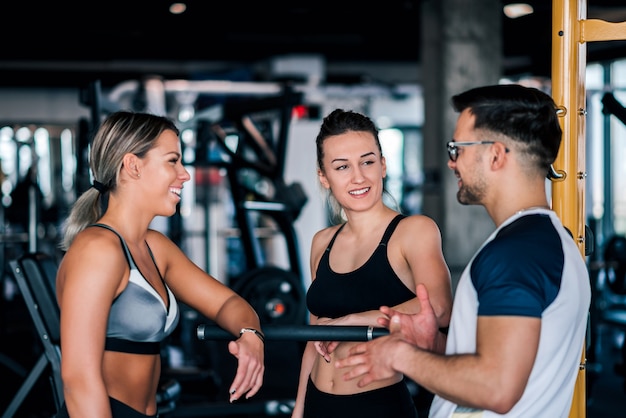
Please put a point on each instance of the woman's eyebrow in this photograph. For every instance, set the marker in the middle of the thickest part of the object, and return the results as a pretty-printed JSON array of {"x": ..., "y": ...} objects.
[{"x": 362, "y": 156}]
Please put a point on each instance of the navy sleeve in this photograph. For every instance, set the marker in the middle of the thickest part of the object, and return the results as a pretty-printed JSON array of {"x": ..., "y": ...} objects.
[{"x": 519, "y": 271}]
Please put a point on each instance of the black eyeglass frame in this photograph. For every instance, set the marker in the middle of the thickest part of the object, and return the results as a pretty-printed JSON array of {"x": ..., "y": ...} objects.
[{"x": 453, "y": 147}]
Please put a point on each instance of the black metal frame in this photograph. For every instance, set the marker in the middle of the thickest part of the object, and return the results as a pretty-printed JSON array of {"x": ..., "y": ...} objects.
[{"x": 35, "y": 274}]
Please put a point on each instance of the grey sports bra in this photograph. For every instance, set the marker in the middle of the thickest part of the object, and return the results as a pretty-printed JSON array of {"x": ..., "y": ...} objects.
[{"x": 139, "y": 319}]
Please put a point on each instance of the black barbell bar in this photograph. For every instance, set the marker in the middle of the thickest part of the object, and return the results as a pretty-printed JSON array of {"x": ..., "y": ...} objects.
[{"x": 300, "y": 332}]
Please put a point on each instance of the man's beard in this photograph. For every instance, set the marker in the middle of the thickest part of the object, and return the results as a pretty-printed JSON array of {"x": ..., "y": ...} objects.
[{"x": 471, "y": 195}]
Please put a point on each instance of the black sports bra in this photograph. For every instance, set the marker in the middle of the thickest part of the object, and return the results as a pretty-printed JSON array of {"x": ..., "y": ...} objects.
[{"x": 333, "y": 295}]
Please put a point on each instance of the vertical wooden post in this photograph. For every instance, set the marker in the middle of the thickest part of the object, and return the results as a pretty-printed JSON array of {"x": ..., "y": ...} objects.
[
  {"x": 568, "y": 90},
  {"x": 570, "y": 33}
]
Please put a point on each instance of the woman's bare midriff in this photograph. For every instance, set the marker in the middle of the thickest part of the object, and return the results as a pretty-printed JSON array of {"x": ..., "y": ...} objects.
[
  {"x": 132, "y": 379},
  {"x": 329, "y": 379}
]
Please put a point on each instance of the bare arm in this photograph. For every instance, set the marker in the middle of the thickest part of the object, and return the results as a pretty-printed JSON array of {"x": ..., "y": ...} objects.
[
  {"x": 221, "y": 304},
  {"x": 89, "y": 277},
  {"x": 424, "y": 257},
  {"x": 309, "y": 354},
  {"x": 493, "y": 378},
  {"x": 308, "y": 359}
]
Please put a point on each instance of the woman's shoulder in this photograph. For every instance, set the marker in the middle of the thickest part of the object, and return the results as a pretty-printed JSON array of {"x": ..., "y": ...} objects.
[
  {"x": 322, "y": 238},
  {"x": 154, "y": 234},
  {"x": 418, "y": 225},
  {"x": 94, "y": 250},
  {"x": 419, "y": 220},
  {"x": 326, "y": 234},
  {"x": 159, "y": 241},
  {"x": 163, "y": 248},
  {"x": 95, "y": 239}
]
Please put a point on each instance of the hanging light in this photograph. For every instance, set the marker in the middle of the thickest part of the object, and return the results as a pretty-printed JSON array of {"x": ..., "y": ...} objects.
[
  {"x": 178, "y": 8},
  {"x": 515, "y": 10}
]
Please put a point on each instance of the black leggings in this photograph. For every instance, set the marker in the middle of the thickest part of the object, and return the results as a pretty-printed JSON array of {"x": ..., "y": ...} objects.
[
  {"x": 393, "y": 401},
  {"x": 118, "y": 410}
]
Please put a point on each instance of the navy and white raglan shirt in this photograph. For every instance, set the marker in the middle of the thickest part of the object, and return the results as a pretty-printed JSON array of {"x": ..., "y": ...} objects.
[{"x": 529, "y": 266}]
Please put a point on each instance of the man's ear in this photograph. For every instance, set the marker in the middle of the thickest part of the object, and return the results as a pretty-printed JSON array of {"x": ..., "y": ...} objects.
[
  {"x": 499, "y": 154},
  {"x": 131, "y": 165}
]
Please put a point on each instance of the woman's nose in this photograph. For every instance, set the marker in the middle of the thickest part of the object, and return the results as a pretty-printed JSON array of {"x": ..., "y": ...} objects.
[
  {"x": 357, "y": 175},
  {"x": 184, "y": 174}
]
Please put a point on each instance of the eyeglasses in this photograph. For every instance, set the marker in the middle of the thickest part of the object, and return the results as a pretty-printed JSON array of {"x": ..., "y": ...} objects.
[{"x": 453, "y": 147}]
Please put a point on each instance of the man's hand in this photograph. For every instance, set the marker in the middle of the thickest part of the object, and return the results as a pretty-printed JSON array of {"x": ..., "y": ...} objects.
[
  {"x": 373, "y": 360},
  {"x": 419, "y": 329}
]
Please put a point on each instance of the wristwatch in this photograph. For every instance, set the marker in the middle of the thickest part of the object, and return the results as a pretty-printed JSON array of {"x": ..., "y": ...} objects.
[{"x": 254, "y": 331}]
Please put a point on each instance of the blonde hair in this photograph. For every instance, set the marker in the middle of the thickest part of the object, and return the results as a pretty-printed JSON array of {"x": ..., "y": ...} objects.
[{"x": 121, "y": 133}]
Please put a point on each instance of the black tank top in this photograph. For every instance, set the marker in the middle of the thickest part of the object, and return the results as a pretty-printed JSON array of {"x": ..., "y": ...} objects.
[{"x": 367, "y": 288}]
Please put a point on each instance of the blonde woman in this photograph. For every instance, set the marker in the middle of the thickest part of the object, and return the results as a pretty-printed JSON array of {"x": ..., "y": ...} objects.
[{"x": 119, "y": 283}]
